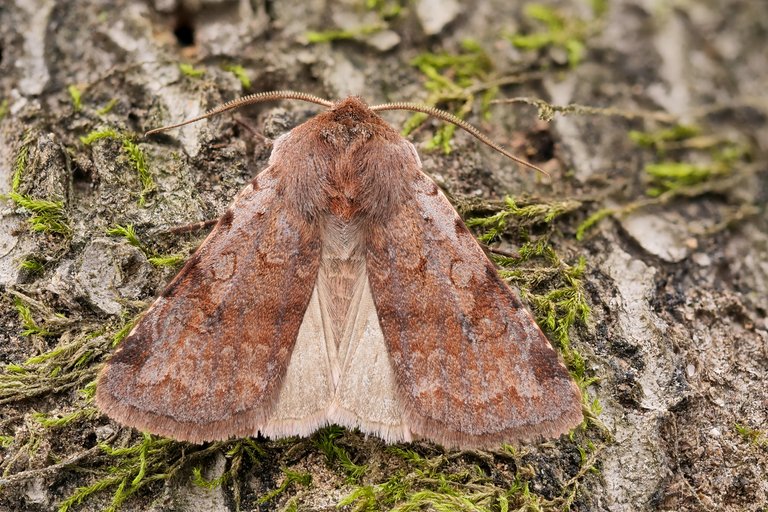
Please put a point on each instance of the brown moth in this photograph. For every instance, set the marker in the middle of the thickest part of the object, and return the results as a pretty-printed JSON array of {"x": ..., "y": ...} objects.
[{"x": 340, "y": 287}]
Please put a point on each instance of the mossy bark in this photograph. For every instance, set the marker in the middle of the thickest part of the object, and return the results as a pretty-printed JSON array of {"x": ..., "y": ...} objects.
[{"x": 673, "y": 354}]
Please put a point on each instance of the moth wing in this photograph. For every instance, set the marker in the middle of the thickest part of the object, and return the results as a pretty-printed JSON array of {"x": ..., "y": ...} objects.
[
  {"x": 207, "y": 359},
  {"x": 472, "y": 367},
  {"x": 366, "y": 395},
  {"x": 307, "y": 388}
]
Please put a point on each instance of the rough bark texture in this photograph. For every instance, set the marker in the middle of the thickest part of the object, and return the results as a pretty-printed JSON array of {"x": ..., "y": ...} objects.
[{"x": 677, "y": 338}]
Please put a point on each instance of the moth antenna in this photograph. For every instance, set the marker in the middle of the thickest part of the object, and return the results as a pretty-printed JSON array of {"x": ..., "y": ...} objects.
[
  {"x": 450, "y": 118},
  {"x": 248, "y": 100}
]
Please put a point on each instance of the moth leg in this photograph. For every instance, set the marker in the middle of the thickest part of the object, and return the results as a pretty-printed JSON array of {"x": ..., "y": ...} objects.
[
  {"x": 194, "y": 226},
  {"x": 252, "y": 130}
]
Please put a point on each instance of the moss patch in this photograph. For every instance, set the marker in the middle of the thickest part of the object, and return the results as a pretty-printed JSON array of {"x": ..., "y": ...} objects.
[{"x": 134, "y": 153}]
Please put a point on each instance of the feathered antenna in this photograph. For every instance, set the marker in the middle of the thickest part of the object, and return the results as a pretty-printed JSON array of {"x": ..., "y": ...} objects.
[
  {"x": 450, "y": 118},
  {"x": 248, "y": 100},
  {"x": 302, "y": 96}
]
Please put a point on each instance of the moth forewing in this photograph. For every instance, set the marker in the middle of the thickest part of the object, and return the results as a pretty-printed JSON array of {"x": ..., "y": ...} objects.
[
  {"x": 190, "y": 369},
  {"x": 473, "y": 368}
]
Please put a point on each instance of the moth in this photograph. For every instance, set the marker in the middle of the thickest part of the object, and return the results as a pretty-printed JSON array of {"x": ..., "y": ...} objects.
[{"x": 340, "y": 287}]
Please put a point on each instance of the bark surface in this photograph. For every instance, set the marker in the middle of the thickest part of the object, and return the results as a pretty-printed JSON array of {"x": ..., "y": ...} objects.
[{"x": 672, "y": 357}]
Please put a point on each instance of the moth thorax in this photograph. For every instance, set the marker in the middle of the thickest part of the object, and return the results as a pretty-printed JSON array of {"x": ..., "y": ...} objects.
[
  {"x": 347, "y": 138},
  {"x": 342, "y": 240}
]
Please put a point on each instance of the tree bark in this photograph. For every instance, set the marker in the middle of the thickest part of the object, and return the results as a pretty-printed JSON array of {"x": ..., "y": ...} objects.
[{"x": 675, "y": 270}]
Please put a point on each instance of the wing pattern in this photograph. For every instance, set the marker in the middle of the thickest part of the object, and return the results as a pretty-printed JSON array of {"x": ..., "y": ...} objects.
[
  {"x": 207, "y": 359},
  {"x": 472, "y": 366}
]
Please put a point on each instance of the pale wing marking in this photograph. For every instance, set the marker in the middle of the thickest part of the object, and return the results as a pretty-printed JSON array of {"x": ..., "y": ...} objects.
[
  {"x": 366, "y": 397},
  {"x": 307, "y": 387}
]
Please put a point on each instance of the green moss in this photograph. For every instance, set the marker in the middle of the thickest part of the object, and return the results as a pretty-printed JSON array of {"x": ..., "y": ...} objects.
[
  {"x": 6, "y": 441},
  {"x": 127, "y": 232},
  {"x": 560, "y": 30},
  {"x": 452, "y": 480},
  {"x": 241, "y": 74},
  {"x": 20, "y": 165},
  {"x": 139, "y": 162},
  {"x": 753, "y": 436},
  {"x": 599, "y": 7},
  {"x": 553, "y": 287},
  {"x": 85, "y": 413},
  {"x": 453, "y": 79},
  {"x": 386, "y": 9},
  {"x": 82, "y": 493},
  {"x": 494, "y": 225},
  {"x": 665, "y": 176},
  {"x": 67, "y": 365},
  {"x": 449, "y": 482},
  {"x": 592, "y": 221},
  {"x": 28, "y": 321},
  {"x": 32, "y": 265},
  {"x": 88, "y": 392},
  {"x": 13, "y": 368},
  {"x": 95, "y": 135},
  {"x": 84, "y": 359},
  {"x": 76, "y": 96},
  {"x": 3, "y": 108},
  {"x": 563, "y": 307},
  {"x": 671, "y": 174},
  {"x": 669, "y": 179},
  {"x": 132, "y": 468},
  {"x": 170, "y": 260},
  {"x": 236, "y": 453},
  {"x": 106, "y": 109},
  {"x": 200, "y": 481},
  {"x": 49, "y": 224},
  {"x": 246, "y": 447},
  {"x": 326, "y": 441},
  {"x": 413, "y": 122},
  {"x": 291, "y": 478},
  {"x": 56, "y": 353},
  {"x": 692, "y": 137},
  {"x": 123, "y": 331},
  {"x": 47, "y": 216},
  {"x": 191, "y": 71},
  {"x": 135, "y": 156},
  {"x": 454, "y": 72},
  {"x": 660, "y": 140},
  {"x": 328, "y": 36}
]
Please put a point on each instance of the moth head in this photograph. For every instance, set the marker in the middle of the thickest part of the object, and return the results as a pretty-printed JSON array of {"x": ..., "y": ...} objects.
[{"x": 352, "y": 112}]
